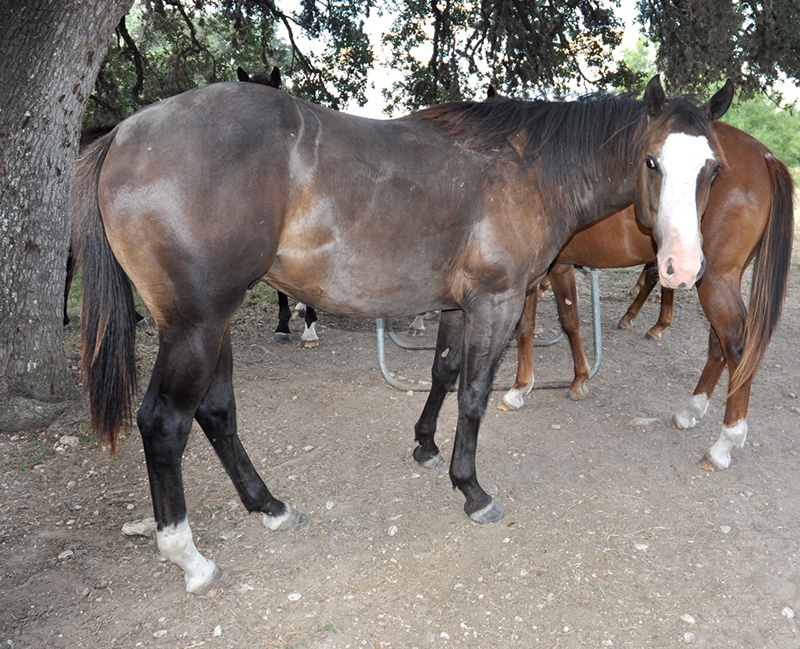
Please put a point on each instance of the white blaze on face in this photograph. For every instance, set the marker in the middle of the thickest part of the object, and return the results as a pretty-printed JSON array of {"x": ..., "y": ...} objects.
[{"x": 680, "y": 256}]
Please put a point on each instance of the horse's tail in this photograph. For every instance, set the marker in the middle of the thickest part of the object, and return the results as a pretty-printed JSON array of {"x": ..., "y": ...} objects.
[
  {"x": 770, "y": 274},
  {"x": 108, "y": 314}
]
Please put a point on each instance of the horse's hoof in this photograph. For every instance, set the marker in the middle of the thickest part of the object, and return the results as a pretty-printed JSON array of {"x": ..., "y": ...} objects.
[
  {"x": 416, "y": 333},
  {"x": 220, "y": 580},
  {"x": 577, "y": 393},
  {"x": 433, "y": 462},
  {"x": 653, "y": 335},
  {"x": 281, "y": 338},
  {"x": 309, "y": 344},
  {"x": 505, "y": 407},
  {"x": 707, "y": 464},
  {"x": 290, "y": 518},
  {"x": 624, "y": 324},
  {"x": 489, "y": 514}
]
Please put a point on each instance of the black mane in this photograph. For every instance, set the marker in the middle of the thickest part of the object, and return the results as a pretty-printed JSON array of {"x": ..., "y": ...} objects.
[{"x": 571, "y": 144}]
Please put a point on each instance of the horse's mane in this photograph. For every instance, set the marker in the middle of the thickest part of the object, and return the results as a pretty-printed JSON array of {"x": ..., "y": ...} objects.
[
  {"x": 571, "y": 144},
  {"x": 552, "y": 129}
]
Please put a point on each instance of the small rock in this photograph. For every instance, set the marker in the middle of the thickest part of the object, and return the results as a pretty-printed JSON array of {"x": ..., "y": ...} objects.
[
  {"x": 144, "y": 527},
  {"x": 788, "y": 613},
  {"x": 641, "y": 546},
  {"x": 639, "y": 422},
  {"x": 725, "y": 529},
  {"x": 69, "y": 440},
  {"x": 66, "y": 554},
  {"x": 330, "y": 505},
  {"x": 160, "y": 634},
  {"x": 130, "y": 506},
  {"x": 687, "y": 618},
  {"x": 217, "y": 631},
  {"x": 688, "y": 637},
  {"x": 555, "y": 426},
  {"x": 294, "y": 597},
  {"x": 392, "y": 530}
]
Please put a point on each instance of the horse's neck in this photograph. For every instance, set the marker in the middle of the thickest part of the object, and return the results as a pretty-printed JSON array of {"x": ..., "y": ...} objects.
[{"x": 595, "y": 200}]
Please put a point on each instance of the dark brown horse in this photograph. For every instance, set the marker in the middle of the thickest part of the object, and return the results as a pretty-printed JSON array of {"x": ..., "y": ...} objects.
[
  {"x": 749, "y": 214},
  {"x": 460, "y": 207}
]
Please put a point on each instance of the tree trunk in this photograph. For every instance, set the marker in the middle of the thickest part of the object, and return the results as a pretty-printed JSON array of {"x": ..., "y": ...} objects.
[{"x": 51, "y": 52}]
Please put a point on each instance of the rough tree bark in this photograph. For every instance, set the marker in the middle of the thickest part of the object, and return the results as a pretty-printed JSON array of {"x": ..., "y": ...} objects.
[{"x": 51, "y": 52}]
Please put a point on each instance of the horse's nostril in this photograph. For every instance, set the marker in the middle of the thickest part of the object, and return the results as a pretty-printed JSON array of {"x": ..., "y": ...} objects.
[
  {"x": 682, "y": 285},
  {"x": 670, "y": 269}
]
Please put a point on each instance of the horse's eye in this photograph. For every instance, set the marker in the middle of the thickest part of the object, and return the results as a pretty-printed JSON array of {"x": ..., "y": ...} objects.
[
  {"x": 717, "y": 167},
  {"x": 650, "y": 162}
]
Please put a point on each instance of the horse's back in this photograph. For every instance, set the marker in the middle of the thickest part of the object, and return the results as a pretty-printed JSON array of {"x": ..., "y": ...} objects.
[{"x": 220, "y": 186}]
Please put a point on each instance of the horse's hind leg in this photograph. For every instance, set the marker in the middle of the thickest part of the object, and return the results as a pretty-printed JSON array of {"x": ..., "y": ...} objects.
[
  {"x": 217, "y": 416},
  {"x": 182, "y": 374},
  {"x": 689, "y": 415},
  {"x": 446, "y": 366},
  {"x": 664, "y": 314},
  {"x": 727, "y": 313},
  {"x": 563, "y": 282}
]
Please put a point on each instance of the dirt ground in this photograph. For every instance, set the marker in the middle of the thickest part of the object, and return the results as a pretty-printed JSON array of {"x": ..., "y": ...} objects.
[{"x": 613, "y": 536}]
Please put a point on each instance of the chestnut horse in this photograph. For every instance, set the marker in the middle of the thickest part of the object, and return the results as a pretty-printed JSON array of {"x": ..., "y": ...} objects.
[
  {"x": 460, "y": 207},
  {"x": 749, "y": 214}
]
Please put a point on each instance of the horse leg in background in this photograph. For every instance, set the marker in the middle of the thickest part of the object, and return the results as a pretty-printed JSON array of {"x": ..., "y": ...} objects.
[
  {"x": 646, "y": 283},
  {"x": 640, "y": 283},
  {"x": 217, "y": 416},
  {"x": 514, "y": 399},
  {"x": 664, "y": 314},
  {"x": 70, "y": 278},
  {"x": 562, "y": 279},
  {"x": 282, "y": 333},
  {"x": 309, "y": 339},
  {"x": 417, "y": 326},
  {"x": 444, "y": 374}
]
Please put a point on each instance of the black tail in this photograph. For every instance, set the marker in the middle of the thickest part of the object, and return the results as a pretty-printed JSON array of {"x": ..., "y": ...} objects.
[
  {"x": 770, "y": 274},
  {"x": 108, "y": 363}
]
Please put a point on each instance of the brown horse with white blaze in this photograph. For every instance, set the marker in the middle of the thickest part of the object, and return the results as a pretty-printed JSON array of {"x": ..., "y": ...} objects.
[
  {"x": 460, "y": 207},
  {"x": 749, "y": 215}
]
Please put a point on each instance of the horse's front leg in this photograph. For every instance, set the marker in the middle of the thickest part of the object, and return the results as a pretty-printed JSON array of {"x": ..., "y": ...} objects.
[
  {"x": 444, "y": 374},
  {"x": 282, "y": 333},
  {"x": 487, "y": 329}
]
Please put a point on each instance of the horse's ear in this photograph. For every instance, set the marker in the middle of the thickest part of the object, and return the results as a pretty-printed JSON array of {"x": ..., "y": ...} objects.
[
  {"x": 491, "y": 92},
  {"x": 242, "y": 75},
  {"x": 275, "y": 77},
  {"x": 720, "y": 102},
  {"x": 654, "y": 97}
]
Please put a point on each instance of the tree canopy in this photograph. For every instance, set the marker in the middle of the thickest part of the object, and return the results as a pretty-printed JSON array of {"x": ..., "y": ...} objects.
[{"x": 441, "y": 50}]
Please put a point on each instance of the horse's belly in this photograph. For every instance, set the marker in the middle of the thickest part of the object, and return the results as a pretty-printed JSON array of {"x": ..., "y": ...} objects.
[{"x": 361, "y": 288}]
